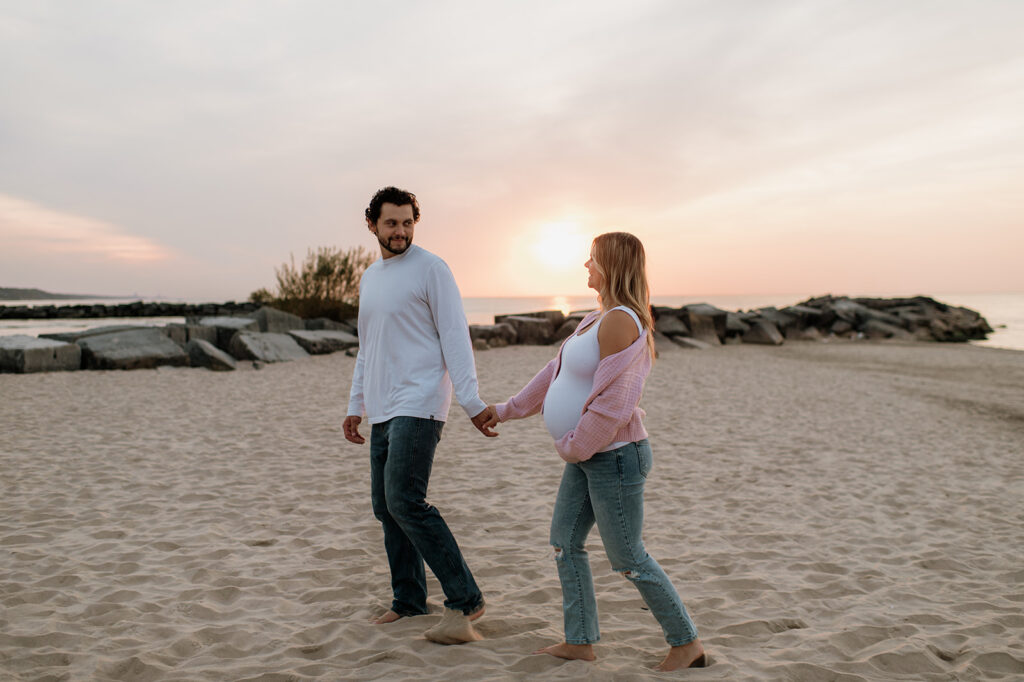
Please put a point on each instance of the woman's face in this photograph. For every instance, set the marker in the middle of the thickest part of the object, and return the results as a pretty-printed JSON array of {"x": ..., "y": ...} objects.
[{"x": 594, "y": 278}]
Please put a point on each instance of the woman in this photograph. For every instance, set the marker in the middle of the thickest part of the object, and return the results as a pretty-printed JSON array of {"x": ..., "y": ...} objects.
[{"x": 589, "y": 394}]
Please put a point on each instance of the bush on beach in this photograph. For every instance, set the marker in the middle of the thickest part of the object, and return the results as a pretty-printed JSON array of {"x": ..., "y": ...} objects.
[{"x": 326, "y": 284}]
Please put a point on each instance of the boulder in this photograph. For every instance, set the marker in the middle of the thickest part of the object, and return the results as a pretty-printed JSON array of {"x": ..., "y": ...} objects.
[
  {"x": 669, "y": 324},
  {"x": 227, "y": 327},
  {"x": 319, "y": 323},
  {"x": 480, "y": 344},
  {"x": 22, "y": 353},
  {"x": 319, "y": 342},
  {"x": 202, "y": 353},
  {"x": 763, "y": 332},
  {"x": 265, "y": 347},
  {"x": 531, "y": 330},
  {"x": 496, "y": 335},
  {"x": 736, "y": 325},
  {"x": 876, "y": 329},
  {"x": 704, "y": 327},
  {"x": 134, "y": 349},
  {"x": 277, "y": 321},
  {"x": 796, "y": 333},
  {"x": 717, "y": 316},
  {"x": 181, "y": 334},
  {"x": 567, "y": 329},
  {"x": 555, "y": 317},
  {"x": 74, "y": 336}
]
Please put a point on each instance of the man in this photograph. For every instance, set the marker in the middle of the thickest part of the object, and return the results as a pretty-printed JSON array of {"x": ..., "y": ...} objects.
[{"x": 413, "y": 346}]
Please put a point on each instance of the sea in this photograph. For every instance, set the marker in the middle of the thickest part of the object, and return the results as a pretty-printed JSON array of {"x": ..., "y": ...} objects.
[{"x": 1004, "y": 311}]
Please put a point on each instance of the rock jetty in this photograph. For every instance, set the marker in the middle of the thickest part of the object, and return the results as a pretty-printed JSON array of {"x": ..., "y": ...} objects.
[{"x": 219, "y": 336}]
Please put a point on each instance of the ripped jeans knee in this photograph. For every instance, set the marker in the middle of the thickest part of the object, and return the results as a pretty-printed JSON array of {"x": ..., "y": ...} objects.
[{"x": 630, "y": 574}]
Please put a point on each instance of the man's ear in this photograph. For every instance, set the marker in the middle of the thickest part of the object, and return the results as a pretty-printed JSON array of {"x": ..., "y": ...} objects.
[{"x": 370, "y": 226}]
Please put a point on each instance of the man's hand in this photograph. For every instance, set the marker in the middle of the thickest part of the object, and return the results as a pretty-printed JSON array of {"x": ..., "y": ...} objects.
[
  {"x": 352, "y": 430},
  {"x": 485, "y": 420}
]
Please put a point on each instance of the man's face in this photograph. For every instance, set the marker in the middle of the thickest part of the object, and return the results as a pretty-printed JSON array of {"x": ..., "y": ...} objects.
[{"x": 393, "y": 229}]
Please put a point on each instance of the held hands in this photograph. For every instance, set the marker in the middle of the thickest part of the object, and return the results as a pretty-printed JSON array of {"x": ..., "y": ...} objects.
[
  {"x": 486, "y": 420},
  {"x": 351, "y": 426}
]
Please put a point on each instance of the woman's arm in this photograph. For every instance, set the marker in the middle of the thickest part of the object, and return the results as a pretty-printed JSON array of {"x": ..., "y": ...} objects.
[{"x": 530, "y": 399}]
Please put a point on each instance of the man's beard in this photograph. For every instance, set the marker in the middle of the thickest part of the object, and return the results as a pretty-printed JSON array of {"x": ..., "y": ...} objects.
[{"x": 399, "y": 251}]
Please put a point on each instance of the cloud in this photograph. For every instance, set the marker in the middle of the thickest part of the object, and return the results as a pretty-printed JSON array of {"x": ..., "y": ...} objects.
[{"x": 28, "y": 229}]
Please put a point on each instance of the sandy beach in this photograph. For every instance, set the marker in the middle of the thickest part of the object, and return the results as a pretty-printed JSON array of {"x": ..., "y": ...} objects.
[{"x": 833, "y": 511}]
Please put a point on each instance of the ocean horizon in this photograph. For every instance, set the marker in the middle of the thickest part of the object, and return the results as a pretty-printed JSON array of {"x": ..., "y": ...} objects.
[{"x": 1004, "y": 311}]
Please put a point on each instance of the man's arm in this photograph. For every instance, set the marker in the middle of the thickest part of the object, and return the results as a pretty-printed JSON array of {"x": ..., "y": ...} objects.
[
  {"x": 456, "y": 346},
  {"x": 355, "y": 403}
]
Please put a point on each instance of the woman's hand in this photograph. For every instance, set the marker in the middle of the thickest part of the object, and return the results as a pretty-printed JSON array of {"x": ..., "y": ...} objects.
[{"x": 487, "y": 420}]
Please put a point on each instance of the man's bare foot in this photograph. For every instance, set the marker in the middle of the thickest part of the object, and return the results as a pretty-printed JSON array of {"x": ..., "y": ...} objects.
[
  {"x": 687, "y": 656},
  {"x": 476, "y": 614},
  {"x": 570, "y": 652},
  {"x": 455, "y": 628},
  {"x": 388, "y": 617}
]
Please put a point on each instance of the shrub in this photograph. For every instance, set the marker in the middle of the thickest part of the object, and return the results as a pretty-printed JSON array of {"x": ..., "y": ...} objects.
[{"x": 326, "y": 284}]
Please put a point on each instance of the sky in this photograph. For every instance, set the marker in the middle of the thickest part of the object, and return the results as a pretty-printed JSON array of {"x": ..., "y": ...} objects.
[{"x": 186, "y": 150}]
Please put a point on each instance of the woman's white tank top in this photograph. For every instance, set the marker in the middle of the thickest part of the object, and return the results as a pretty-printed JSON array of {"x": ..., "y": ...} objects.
[{"x": 567, "y": 394}]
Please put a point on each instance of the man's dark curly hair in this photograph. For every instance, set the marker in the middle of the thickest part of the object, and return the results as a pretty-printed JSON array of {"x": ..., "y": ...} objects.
[{"x": 392, "y": 195}]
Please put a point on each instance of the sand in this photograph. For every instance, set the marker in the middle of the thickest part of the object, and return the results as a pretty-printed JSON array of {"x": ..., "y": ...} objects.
[{"x": 827, "y": 512}]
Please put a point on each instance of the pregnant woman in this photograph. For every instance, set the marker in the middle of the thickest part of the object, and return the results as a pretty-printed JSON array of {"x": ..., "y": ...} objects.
[{"x": 589, "y": 394}]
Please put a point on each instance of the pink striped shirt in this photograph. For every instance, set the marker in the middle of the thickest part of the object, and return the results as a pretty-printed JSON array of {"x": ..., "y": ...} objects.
[{"x": 611, "y": 413}]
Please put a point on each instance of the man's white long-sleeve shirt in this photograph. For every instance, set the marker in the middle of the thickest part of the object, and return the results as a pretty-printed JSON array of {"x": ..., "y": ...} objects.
[{"x": 413, "y": 342}]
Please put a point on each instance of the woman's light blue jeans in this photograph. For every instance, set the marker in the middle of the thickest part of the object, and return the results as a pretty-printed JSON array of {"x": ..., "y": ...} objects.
[{"x": 609, "y": 489}]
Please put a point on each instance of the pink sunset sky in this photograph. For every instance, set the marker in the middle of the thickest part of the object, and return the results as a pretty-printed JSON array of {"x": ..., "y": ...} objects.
[{"x": 186, "y": 149}]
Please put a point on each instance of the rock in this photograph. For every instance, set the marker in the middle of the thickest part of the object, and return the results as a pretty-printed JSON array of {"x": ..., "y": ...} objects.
[
  {"x": 134, "y": 349},
  {"x": 763, "y": 332},
  {"x": 555, "y": 317},
  {"x": 718, "y": 317},
  {"x": 22, "y": 353},
  {"x": 265, "y": 347},
  {"x": 496, "y": 335},
  {"x": 531, "y": 330},
  {"x": 876, "y": 329},
  {"x": 321, "y": 323},
  {"x": 202, "y": 353},
  {"x": 181, "y": 334},
  {"x": 277, "y": 321},
  {"x": 735, "y": 325},
  {"x": 567, "y": 329},
  {"x": 669, "y": 324},
  {"x": 74, "y": 336},
  {"x": 796, "y": 333},
  {"x": 319, "y": 342},
  {"x": 227, "y": 327},
  {"x": 480, "y": 344},
  {"x": 704, "y": 327}
]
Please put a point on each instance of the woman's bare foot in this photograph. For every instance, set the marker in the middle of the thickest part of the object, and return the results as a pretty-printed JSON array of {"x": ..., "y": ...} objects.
[
  {"x": 687, "y": 656},
  {"x": 388, "y": 617},
  {"x": 570, "y": 652}
]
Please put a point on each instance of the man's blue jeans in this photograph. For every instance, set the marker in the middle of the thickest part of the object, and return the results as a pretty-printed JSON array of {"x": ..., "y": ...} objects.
[
  {"x": 401, "y": 456},
  {"x": 608, "y": 489}
]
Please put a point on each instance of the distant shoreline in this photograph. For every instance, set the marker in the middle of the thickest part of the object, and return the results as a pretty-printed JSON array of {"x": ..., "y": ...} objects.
[{"x": 16, "y": 294}]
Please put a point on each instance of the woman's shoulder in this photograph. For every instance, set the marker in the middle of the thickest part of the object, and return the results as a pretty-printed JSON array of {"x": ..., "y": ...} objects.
[{"x": 619, "y": 329}]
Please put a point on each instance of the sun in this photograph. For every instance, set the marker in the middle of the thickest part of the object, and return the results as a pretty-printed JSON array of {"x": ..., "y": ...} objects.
[{"x": 561, "y": 245}]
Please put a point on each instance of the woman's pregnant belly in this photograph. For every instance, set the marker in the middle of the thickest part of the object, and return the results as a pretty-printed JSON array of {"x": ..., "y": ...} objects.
[{"x": 563, "y": 404}]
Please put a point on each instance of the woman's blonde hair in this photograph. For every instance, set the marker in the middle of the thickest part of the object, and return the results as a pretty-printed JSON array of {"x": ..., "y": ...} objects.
[{"x": 620, "y": 258}]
